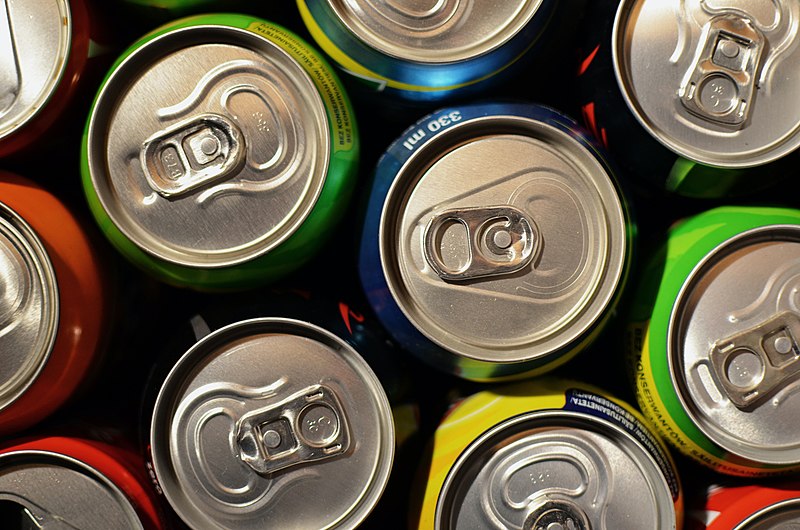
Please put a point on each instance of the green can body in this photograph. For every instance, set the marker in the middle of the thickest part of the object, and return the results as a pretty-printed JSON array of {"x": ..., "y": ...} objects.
[
  {"x": 328, "y": 208},
  {"x": 654, "y": 314}
]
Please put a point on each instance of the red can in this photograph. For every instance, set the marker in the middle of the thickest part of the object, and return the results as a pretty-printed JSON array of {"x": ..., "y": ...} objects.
[
  {"x": 53, "y": 303},
  {"x": 750, "y": 507},
  {"x": 47, "y": 47},
  {"x": 75, "y": 483}
]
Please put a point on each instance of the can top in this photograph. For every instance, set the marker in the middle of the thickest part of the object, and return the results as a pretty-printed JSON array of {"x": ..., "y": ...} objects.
[
  {"x": 712, "y": 81},
  {"x": 40, "y": 489},
  {"x": 262, "y": 420},
  {"x": 784, "y": 514},
  {"x": 442, "y": 31},
  {"x": 35, "y": 41},
  {"x": 552, "y": 469},
  {"x": 503, "y": 239},
  {"x": 208, "y": 146},
  {"x": 733, "y": 345},
  {"x": 28, "y": 306}
]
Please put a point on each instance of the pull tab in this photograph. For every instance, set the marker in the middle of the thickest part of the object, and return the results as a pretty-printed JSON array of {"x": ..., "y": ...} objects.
[
  {"x": 721, "y": 83},
  {"x": 500, "y": 240},
  {"x": 307, "y": 427},
  {"x": 753, "y": 364},
  {"x": 192, "y": 153},
  {"x": 557, "y": 515},
  {"x": 9, "y": 63}
]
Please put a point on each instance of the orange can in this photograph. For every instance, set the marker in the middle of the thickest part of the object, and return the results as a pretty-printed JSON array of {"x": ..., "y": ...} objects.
[{"x": 53, "y": 303}]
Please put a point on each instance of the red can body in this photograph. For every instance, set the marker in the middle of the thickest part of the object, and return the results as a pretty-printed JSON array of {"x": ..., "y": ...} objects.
[{"x": 728, "y": 507}]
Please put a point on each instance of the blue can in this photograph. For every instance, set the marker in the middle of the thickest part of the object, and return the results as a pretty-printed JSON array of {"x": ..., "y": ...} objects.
[
  {"x": 424, "y": 55},
  {"x": 496, "y": 241}
]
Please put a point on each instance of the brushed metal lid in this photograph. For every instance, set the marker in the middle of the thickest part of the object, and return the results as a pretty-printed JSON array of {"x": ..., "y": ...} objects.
[
  {"x": 41, "y": 489},
  {"x": 28, "y": 306},
  {"x": 208, "y": 146},
  {"x": 35, "y": 41},
  {"x": 714, "y": 81},
  {"x": 784, "y": 515},
  {"x": 272, "y": 423},
  {"x": 733, "y": 345},
  {"x": 434, "y": 31},
  {"x": 503, "y": 239},
  {"x": 555, "y": 470}
]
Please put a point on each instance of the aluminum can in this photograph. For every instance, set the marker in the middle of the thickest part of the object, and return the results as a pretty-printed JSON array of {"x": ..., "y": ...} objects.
[
  {"x": 53, "y": 304},
  {"x": 426, "y": 53},
  {"x": 264, "y": 417},
  {"x": 713, "y": 336},
  {"x": 773, "y": 506},
  {"x": 696, "y": 98},
  {"x": 220, "y": 152},
  {"x": 62, "y": 482},
  {"x": 496, "y": 240},
  {"x": 46, "y": 47},
  {"x": 538, "y": 455}
]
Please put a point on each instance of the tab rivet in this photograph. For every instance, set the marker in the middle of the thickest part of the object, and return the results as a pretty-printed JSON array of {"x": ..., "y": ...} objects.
[
  {"x": 272, "y": 439},
  {"x": 209, "y": 145},
  {"x": 783, "y": 345},
  {"x": 502, "y": 239},
  {"x": 729, "y": 48}
]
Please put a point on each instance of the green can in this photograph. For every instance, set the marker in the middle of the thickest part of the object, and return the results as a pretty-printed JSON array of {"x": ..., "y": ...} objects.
[
  {"x": 715, "y": 339},
  {"x": 220, "y": 152}
]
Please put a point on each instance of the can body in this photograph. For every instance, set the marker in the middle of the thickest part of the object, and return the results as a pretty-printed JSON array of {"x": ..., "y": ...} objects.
[
  {"x": 286, "y": 155},
  {"x": 59, "y": 32},
  {"x": 423, "y": 56},
  {"x": 79, "y": 308},
  {"x": 620, "y": 101},
  {"x": 690, "y": 346},
  {"x": 745, "y": 507},
  {"x": 308, "y": 405},
  {"x": 547, "y": 406},
  {"x": 455, "y": 240},
  {"x": 81, "y": 468}
]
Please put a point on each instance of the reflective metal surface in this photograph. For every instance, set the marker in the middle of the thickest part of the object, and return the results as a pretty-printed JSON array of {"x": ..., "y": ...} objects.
[
  {"x": 28, "y": 306},
  {"x": 208, "y": 146},
  {"x": 555, "y": 470},
  {"x": 780, "y": 516},
  {"x": 48, "y": 491},
  {"x": 35, "y": 40},
  {"x": 733, "y": 345},
  {"x": 265, "y": 417},
  {"x": 503, "y": 239},
  {"x": 712, "y": 80},
  {"x": 434, "y": 31}
]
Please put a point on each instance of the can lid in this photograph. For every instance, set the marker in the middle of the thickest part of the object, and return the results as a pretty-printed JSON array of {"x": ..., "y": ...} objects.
[
  {"x": 503, "y": 239},
  {"x": 553, "y": 470},
  {"x": 734, "y": 345},
  {"x": 28, "y": 306},
  {"x": 429, "y": 31},
  {"x": 35, "y": 41},
  {"x": 263, "y": 416},
  {"x": 40, "y": 489},
  {"x": 208, "y": 146},
  {"x": 779, "y": 516},
  {"x": 712, "y": 81}
]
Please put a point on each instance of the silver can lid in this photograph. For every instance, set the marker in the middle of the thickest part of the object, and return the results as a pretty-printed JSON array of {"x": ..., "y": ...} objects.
[
  {"x": 208, "y": 146},
  {"x": 503, "y": 239},
  {"x": 442, "y": 31},
  {"x": 734, "y": 345},
  {"x": 712, "y": 81},
  {"x": 35, "y": 41},
  {"x": 784, "y": 515},
  {"x": 40, "y": 489},
  {"x": 265, "y": 419},
  {"x": 555, "y": 470},
  {"x": 28, "y": 306}
]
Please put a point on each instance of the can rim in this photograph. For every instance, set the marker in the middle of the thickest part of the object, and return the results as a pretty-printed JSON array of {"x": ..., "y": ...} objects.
[
  {"x": 54, "y": 81},
  {"x": 34, "y": 249},
  {"x": 674, "y": 332},
  {"x": 548, "y": 418},
  {"x": 373, "y": 39},
  {"x": 788, "y": 504},
  {"x": 106, "y": 102},
  {"x": 418, "y": 163},
  {"x": 38, "y": 456},
  {"x": 162, "y": 463}
]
